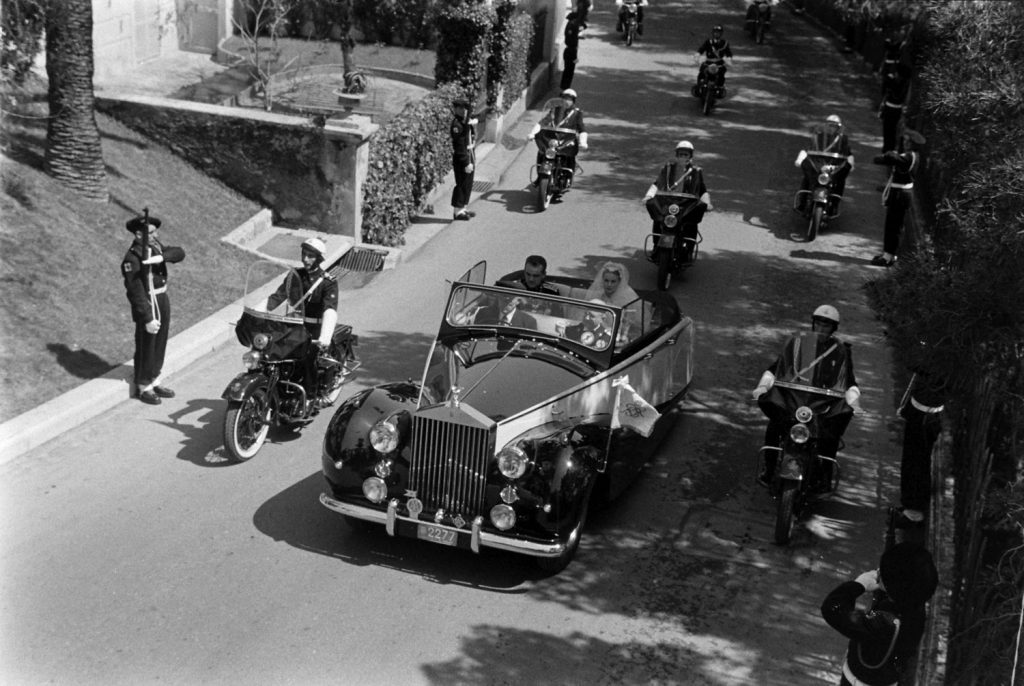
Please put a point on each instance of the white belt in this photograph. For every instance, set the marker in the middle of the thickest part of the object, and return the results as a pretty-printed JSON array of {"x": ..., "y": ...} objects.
[
  {"x": 854, "y": 681},
  {"x": 158, "y": 291},
  {"x": 904, "y": 186},
  {"x": 920, "y": 407},
  {"x": 892, "y": 104},
  {"x": 311, "y": 320}
]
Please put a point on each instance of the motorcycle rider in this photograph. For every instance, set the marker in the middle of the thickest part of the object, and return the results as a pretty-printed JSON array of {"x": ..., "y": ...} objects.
[
  {"x": 317, "y": 293},
  {"x": 754, "y": 8},
  {"x": 714, "y": 49},
  {"x": 682, "y": 176},
  {"x": 623, "y": 11},
  {"x": 832, "y": 366},
  {"x": 829, "y": 138},
  {"x": 565, "y": 116}
]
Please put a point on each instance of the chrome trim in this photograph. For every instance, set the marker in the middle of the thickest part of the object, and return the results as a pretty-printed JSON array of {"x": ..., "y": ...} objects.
[
  {"x": 478, "y": 537},
  {"x": 810, "y": 389}
]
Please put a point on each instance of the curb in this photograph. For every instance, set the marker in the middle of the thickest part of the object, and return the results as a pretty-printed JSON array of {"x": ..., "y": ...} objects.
[{"x": 31, "y": 429}]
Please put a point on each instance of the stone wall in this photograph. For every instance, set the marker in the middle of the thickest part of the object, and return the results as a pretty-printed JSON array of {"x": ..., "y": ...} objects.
[{"x": 310, "y": 176}]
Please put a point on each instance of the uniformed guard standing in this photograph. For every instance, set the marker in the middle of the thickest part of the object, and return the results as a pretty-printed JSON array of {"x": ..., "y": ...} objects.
[
  {"x": 898, "y": 193},
  {"x": 463, "y": 158},
  {"x": 144, "y": 269},
  {"x": 895, "y": 86}
]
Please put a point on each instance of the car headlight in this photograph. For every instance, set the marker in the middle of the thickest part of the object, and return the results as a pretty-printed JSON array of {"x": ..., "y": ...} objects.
[
  {"x": 799, "y": 433},
  {"x": 260, "y": 341},
  {"x": 512, "y": 462},
  {"x": 824, "y": 178},
  {"x": 671, "y": 220},
  {"x": 384, "y": 436},
  {"x": 251, "y": 360},
  {"x": 503, "y": 517},
  {"x": 375, "y": 489}
]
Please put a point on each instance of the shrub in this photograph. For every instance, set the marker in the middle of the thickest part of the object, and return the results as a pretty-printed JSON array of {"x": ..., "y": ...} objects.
[
  {"x": 508, "y": 65},
  {"x": 408, "y": 157},
  {"x": 463, "y": 32}
]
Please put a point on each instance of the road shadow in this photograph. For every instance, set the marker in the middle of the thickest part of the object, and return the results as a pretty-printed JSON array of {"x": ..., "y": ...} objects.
[{"x": 296, "y": 517}]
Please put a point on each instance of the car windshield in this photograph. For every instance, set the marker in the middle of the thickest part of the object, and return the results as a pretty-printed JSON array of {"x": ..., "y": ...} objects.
[{"x": 589, "y": 324}]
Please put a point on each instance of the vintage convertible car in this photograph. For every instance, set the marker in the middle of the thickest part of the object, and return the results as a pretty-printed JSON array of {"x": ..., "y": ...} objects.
[{"x": 511, "y": 432}]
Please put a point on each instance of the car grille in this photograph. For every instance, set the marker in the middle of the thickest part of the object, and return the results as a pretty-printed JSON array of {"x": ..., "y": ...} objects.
[{"x": 448, "y": 465}]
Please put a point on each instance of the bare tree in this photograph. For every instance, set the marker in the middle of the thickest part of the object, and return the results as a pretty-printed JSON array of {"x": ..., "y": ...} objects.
[
  {"x": 270, "y": 17},
  {"x": 74, "y": 155}
]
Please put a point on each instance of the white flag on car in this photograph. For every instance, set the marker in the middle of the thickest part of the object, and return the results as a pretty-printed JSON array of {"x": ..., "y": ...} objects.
[{"x": 632, "y": 411}]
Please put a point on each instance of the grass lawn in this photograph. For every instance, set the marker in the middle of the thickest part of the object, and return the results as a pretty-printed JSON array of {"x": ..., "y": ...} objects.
[{"x": 297, "y": 53}]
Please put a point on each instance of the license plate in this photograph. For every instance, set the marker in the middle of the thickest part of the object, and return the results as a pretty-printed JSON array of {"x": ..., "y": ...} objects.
[
  {"x": 667, "y": 240},
  {"x": 435, "y": 534}
]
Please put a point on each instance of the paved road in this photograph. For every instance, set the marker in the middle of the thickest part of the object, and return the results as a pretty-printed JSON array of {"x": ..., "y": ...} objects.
[{"x": 134, "y": 554}]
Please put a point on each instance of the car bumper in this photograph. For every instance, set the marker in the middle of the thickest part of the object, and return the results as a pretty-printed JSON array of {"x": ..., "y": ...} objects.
[{"x": 474, "y": 538}]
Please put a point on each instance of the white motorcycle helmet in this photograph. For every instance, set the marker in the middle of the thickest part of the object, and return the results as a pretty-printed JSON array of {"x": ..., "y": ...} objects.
[
  {"x": 316, "y": 247},
  {"x": 684, "y": 145},
  {"x": 828, "y": 314}
]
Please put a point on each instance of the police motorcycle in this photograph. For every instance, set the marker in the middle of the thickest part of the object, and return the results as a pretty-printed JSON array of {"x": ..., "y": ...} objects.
[
  {"x": 758, "y": 17},
  {"x": 271, "y": 392},
  {"x": 820, "y": 204},
  {"x": 630, "y": 22},
  {"x": 807, "y": 416},
  {"x": 707, "y": 88},
  {"x": 676, "y": 247},
  {"x": 553, "y": 176}
]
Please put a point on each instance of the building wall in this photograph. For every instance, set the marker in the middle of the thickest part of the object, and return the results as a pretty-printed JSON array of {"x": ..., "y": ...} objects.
[{"x": 129, "y": 33}]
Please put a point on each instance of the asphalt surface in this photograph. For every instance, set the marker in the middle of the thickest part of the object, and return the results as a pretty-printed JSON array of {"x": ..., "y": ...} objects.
[{"x": 134, "y": 553}]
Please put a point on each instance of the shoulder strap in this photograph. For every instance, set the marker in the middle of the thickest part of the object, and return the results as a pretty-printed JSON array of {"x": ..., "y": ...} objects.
[{"x": 888, "y": 653}]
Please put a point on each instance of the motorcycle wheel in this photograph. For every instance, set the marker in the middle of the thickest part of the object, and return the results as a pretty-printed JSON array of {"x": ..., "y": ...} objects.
[
  {"x": 544, "y": 193},
  {"x": 784, "y": 513},
  {"x": 246, "y": 424},
  {"x": 709, "y": 98},
  {"x": 814, "y": 225},
  {"x": 664, "y": 269},
  {"x": 630, "y": 35}
]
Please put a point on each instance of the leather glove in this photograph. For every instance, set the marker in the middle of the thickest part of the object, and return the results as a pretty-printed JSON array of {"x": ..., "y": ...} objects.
[
  {"x": 758, "y": 392},
  {"x": 155, "y": 259},
  {"x": 152, "y": 327},
  {"x": 869, "y": 580}
]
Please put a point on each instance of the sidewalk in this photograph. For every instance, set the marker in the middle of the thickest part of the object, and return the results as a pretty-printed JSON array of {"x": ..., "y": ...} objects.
[{"x": 68, "y": 411}]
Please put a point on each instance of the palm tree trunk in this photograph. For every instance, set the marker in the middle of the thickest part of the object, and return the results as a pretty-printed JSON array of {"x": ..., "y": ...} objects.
[{"x": 74, "y": 155}]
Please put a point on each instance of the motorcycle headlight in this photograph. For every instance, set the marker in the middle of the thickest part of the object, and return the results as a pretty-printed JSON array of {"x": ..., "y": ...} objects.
[
  {"x": 804, "y": 414},
  {"x": 384, "y": 436},
  {"x": 799, "y": 433},
  {"x": 550, "y": 153},
  {"x": 671, "y": 220},
  {"x": 260, "y": 341},
  {"x": 512, "y": 462},
  {"x": 712, "y": 68},
  {"x": 251, "y": 360},
  {"x": 503, "y": 517},
  {"x": 673, "y": 209},
  {"x": 824, "y": 178}
]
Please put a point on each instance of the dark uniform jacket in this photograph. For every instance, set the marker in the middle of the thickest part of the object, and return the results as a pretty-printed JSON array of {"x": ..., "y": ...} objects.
[
  {"x": 463, "y": 153},
  {"x": 135, "y": 276},
  {"x": 902, "y": 167},
  {"x": 562, "y": 118},
  {"x": 877, "y": 652},
  {"x": 823, "y": 141},
  {"x": 715, "y": 49},
  {"x": 834, "y": 369},
  {"x": 681, "y": 178},
  {"x": 323, "y": 297}
]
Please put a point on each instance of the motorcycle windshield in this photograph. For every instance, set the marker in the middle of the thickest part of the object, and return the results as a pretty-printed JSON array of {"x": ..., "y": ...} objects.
[
  {"x": 274, "y": 306},
  {"x": 814, "y": 363},
  {"x": 556, "y": 120}
]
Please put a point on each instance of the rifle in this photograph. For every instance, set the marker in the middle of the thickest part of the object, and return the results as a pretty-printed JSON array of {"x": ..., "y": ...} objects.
[{"x": 147, "y": 267}]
